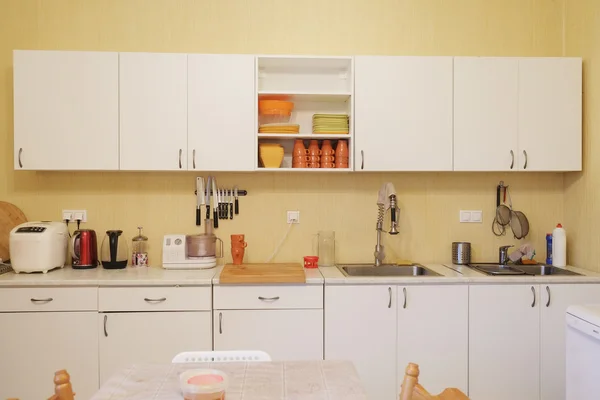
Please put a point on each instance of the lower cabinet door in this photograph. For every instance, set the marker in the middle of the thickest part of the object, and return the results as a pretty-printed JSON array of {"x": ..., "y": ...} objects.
[
  {"x": 150, "y": 337},
  {"x": 33, "y": 346},
  {"x": 284, "y": 334},
  {"x": 433, "y": 331}
]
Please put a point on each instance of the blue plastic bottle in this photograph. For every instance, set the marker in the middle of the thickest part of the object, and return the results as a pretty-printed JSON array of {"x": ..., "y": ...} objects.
[{"x": 548, "y": 249}]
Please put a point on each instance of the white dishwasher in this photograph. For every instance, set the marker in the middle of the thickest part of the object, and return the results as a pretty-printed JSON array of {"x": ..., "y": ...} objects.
[{"x": 583, "y": 352}]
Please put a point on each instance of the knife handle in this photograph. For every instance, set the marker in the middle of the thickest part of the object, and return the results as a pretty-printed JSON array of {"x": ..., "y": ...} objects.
[
  {"x": 216, "y": 219},
  {"x": 198, "y": 219},
  {"x": 230, "y": 210},
  {"x": 237, "y": 206},
  {"x": 207, "y": 211}
]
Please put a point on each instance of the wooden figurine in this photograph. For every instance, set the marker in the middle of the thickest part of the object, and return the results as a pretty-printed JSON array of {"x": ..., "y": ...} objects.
[
  {"x": 411, "y": 390},
  {"x": 62, "y": 386}
]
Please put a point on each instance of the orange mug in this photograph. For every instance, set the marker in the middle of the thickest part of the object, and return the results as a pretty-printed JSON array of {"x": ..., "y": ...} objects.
[
  {"x": 313, "y": 165},
  {"x": 327, "y": 159},
  {"x": 237, "y": 239},
  {"x": 300, "y": 159},
  {"x": 341, "y": 149},
  {"x": 327, "y": 165},
  {"x": 300, "y": 165},
  {"x": 313, "y": 148},
  {"x": 314, "y": 159},
  {"x": 326, "y": 148}
]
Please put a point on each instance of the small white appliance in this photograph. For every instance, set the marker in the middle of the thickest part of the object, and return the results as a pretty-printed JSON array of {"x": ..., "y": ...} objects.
[
  {"x": 583, "y": 352},
  {"x": 38, "y": 246},
  {"x": 175, "y": 255}
]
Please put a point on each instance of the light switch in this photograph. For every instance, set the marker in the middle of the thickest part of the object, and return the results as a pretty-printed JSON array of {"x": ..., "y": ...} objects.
[
  {"x": 476, "y": 216},
  {"x": 471, "y": 216},
  {"x": 465, "y": 216}
]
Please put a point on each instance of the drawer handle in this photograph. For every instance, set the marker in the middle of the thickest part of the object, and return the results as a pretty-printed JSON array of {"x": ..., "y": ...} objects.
[
  {"x": 268, "y": 298},
  {"x": 20, "y": 152},
  {"x": 43, "y": 301},
  {"x": 105, "y": 331},
  {"x": 147, "y": 300},
  {"x": 533, "y": 292},
  {"x": 220, "y": 323},
  {"x": 390, "y": 293},
  {"x": 404, "y": 291},
  {"x": 548, "y": 302}
]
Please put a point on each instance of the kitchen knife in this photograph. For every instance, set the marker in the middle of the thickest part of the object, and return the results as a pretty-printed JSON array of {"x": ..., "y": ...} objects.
[
  {"x": 208, "y": 182},
  {"x": 230, "y": 204},
  {"x": 199, "y": 199},
  {"x": 215, "y": 202},
  {"x": 237, "y": 206},
  {"x": 222, "y": 203}
]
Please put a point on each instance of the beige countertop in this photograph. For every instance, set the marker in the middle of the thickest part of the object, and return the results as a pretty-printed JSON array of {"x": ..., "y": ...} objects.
[
  {"x": 313, "y": 277},
  {"x": 454, "y": 274},
  {"x": 141, "y": 276}
]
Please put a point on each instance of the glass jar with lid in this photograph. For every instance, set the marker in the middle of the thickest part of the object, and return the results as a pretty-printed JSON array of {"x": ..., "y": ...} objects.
[{"x": 139, "y": 257}]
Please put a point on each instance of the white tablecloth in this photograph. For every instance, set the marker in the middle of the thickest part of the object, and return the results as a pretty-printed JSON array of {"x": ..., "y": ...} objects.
[{"x": 292, "y": 380}]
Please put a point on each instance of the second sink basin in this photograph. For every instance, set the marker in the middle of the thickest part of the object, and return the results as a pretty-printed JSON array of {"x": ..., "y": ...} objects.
[
  {"x": 503, "y": 270},
  {"x": 385, "y": 270}
]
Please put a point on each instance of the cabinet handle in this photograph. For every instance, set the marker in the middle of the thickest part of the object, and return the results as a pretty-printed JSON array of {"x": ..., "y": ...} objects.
[
  {"x": 105, "y": 331},
  {"x": 362, "y": 158},
  {"x": 548, "y": 291},
  {"x": 48, "y": 300},
  {"x": 512, "y": 163},
  {"x": 147, "y": 300},
  {"x": 390, "y": 293},
  {"x": 180, "y": 150},
  {"x": 193, "y": 159},
  {"x": 20, "y": 152},
  {"x": 525, "y": 154},
  {"x": 404, "y": 291},
  {"x": 220, "y": 323},
  {"x": 268, "y": 298},
  {"x": 533, "y": 292}
]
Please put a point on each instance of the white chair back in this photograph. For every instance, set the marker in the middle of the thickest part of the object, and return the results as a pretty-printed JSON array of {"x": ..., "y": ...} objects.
[{"x": 221, "y": 356}]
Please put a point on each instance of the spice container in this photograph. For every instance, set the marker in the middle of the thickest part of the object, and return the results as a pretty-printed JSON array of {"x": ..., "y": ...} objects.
[
  {"x": 203, "y": 384},
  {"x": 139, "y": 256}
]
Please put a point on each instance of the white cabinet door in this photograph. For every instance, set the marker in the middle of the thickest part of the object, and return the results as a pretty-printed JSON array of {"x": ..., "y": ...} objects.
[
  {"x": 360, "y": 326},
  {"x": 221, "y": 112},
  {"x": 284, "y": 334},
  {"x": 150, "y": 337},
  {"x": 66, "y": 110},
  {"x": 433, "y": 331},
  {"x": 550, "y": 110},
  {"x": 36, "y": 345},
  {"x": 554, "y": 303},
  {"x": 504, "y": 350},
  {"x": 153, "y": 111},
  {"x": 403, "y": 113},
  {"x": 485, "y": 114}
]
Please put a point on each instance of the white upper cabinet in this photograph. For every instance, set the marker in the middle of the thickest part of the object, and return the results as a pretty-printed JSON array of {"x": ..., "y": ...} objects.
[
  {"x": 153, "y": 111},
  {"x": 66, "y": 110},
  {"x": 403, "y": 113},
  {"x": 221, "y": 112},
  {"x": 550, "y": 112},
  {"x": 485, "y": 114},
  {"x": 424, "y": 311}
]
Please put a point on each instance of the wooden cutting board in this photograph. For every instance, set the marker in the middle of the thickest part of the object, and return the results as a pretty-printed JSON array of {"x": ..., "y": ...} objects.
[
  {"x": 10, "y": 216},
  {"x": 263, "y": 273}
]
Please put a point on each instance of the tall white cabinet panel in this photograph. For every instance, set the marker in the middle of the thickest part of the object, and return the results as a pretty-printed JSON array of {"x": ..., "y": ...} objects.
[
  {"x": 66, "y": 110},
  {"x": 433, "y": 331},
  {"x": 149, "y": 337},
  {"x": 550, "y": 104},
  {"x": 36, "y": 345},
  {"x": 504, "y": 350},
  {"x": 360, "y": 326},
  {"x": 153, "y": 111},
  {"x": 221, "y": 112},
  {"x": 284, "y": 334},
  {"x": 403, "y": 113},
  {"x": 485, "y": 114},
  {"x": 554, "y": 303}
]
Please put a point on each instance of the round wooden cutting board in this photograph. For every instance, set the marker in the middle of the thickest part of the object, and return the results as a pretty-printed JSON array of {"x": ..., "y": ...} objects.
[{"x": 10, "y": 216}]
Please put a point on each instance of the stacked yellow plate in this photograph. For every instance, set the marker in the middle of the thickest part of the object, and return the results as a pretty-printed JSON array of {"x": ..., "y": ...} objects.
[
  {"x": 330, "y": 123},
  {"x": 279, "y": 128}
]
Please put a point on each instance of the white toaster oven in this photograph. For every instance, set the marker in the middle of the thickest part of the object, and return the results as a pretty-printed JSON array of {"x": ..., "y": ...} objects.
[{"x": 38, "y": 246}]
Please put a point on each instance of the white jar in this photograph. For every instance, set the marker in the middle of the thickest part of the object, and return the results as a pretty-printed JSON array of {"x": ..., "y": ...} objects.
[{"x": 559, "y": 246}]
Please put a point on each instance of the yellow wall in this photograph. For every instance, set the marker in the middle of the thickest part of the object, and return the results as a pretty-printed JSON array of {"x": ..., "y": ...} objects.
[
  {"x": 582, "y": 190},
  {"x": 164, "y": 202}
]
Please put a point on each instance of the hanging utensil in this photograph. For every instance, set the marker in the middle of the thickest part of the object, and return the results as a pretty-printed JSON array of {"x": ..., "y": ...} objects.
[
  {"x": 221, "y": 201},
  {"x": 199, "y": 199},
  {"x": 503, "y": 212},
  {"x": 215, "y": 202},
  {"x": 207, "y": 196},
  {"x": 519, "y": 224},
  {"x": 230, "y": 204},
  {"x": 237, "y": 205}
]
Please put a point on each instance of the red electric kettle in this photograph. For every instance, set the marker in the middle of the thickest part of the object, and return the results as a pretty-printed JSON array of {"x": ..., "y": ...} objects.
[{"x": 84, "y": 249}]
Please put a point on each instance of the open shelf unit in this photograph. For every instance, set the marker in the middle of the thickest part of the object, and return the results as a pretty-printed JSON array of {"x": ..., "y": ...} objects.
[{"x": 316, "y": 85}]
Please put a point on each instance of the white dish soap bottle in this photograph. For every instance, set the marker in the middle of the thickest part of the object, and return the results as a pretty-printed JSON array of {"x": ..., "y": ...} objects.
[{"x": 559, "y": 246}]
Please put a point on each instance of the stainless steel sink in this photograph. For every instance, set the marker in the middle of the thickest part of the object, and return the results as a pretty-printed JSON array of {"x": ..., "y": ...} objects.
[
  {"x": 385, "y": 270},
  {"x": 504, "y": 270}
]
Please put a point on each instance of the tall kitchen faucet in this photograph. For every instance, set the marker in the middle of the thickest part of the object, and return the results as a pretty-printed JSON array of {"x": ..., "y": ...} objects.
[{"x": 386, "y": 200}]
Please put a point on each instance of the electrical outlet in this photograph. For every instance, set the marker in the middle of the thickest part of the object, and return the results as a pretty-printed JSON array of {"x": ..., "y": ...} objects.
[
  {"x": 74, "y": 215},
  {"x": 293, "y": 217},
  {"x": 471, "y": 216}
]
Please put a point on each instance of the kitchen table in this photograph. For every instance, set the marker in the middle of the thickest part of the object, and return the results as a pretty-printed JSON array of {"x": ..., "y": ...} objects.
[{"x": 315, "y": 380}]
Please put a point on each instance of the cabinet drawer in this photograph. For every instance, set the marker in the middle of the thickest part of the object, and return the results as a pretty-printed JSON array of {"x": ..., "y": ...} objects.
[
  {"x": 267, "y": 297},
  {"x": 48, "y": 299},
  {"x": 159, "y": 298}
]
